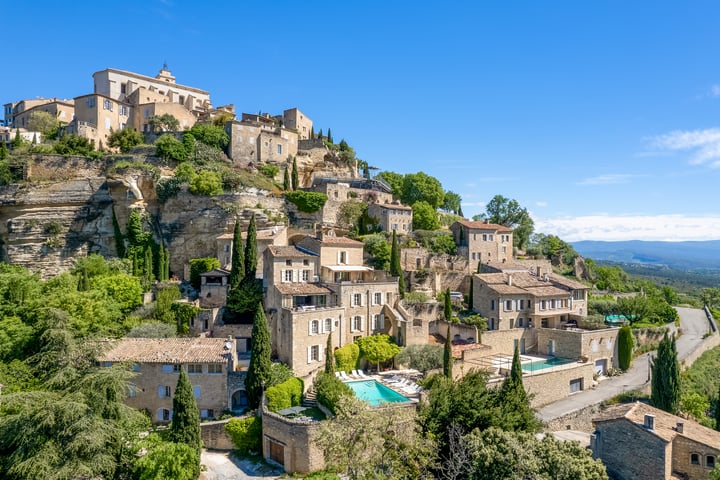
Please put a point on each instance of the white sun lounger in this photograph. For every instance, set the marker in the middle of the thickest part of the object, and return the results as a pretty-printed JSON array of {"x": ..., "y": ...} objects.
[
  {"x": 344, "y": 376},
  {"x": 354, "y": 374},
  {"x": 362, "y": 374}
]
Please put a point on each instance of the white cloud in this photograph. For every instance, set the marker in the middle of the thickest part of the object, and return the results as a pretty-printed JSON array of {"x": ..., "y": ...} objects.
[
  {"x": 541, "y": 204},
  {"x": 715, "y": 91},
  {"x": 705, "y": 144},
  {"x": 638, "y": 227},
  {"x": 609, "y": 179}
]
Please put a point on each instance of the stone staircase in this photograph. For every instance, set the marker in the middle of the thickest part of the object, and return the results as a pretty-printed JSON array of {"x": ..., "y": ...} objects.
[{"x": 310, "y": 398}]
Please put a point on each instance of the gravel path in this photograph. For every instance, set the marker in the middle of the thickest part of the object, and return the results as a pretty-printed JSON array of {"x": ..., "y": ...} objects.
[{"x": 223, "y": 466}]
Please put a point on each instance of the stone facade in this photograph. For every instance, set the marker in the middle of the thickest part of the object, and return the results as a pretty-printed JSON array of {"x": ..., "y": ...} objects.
[
  {"x": 275, "y": 235},
  {"x": 14, "y": 109},
  {"x": 214, "y": 436},
  {"x": 62, "y": 110},
  {"x": 548, "y": 386},
  {"x": 255, "y": 140},
  {"x": 291, "y": 444},
  {"x": 480, "y": 242},
  {"x": 97, "y": 116},
  {"x": 294, "y": 119},
  {"x": 213, "y": 288},
  {"x": 143, "y": 109},
  {"x": 392, "y": 216},
  {"x": 598, "y": 347},
  {"x": 158, "y": 362},
  {"x": 663, "y": 446}
]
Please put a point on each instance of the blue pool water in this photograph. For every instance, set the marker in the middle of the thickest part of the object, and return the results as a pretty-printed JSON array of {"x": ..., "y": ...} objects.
[
  {"x": 536, "y": 365},
  {"x": 375, "y": 393}
]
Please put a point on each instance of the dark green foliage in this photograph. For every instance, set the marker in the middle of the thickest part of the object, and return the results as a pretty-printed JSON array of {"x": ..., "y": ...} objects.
[
  {"x": 294, "y": 180},
  {"x": 73, "y": 145},
  {"x": 148, "y": 276},
  {"x": 118, "y": 236},
  {"x": 395, "y": 267},
  {"x": 320, "y": 134},
  {"x": 246, "y": 434},
  {"x": 421, "y": 187},
  {"x": 211, "y": 135},
  {"x": 286, "y": 180},
  {"x": 513, "y": 401},
  {"x": 379, "y": 250},
  {"x": 285, "y": 395},
  {"x": 84, "y": 281},
  {"x": 472, "y": 294},
  {"x": 269, "y": 170},
  {"x": 329, "y": 136},
  {"x": 259, "y": 370},
  {"x": 479, "y": 268},
  {"x": 451, "y": 202},
  {"x": 251, "y": 251},
  {"x": 243, "y": 300},
  {"x": 329, "y": 389},
  {"x": 448, "y": 311},
  {"x": 329, "y": 357},
  {"x": 625, "y": 347},
  {"x": 279, "y": 373},
  {"x": 168, "y": 147},
  {"x": 167, "y": 188},
  {"x": 665, "y": 385},
  {"x": 508, "y": 212},
  {"x": 307, "y": 202},
  {"x": 447, "y": 354},
  {"x": 169, "y": 460},
  {"x": 185, "y": 427},
  {"x": 163, "y": 305},
  {"x": 183, "y": 313},
  {"x": 378, "y": 348},
  {"x": 346, "y": 357},
  {"x": 164, "y": 123},
  {"x": 425, "y": 217},
  {"x": 125, "y": 139},
  {"x": 237, "y": 270},
  {"x": 421, "y": 357},
  {"x": 199, "y": 266}
]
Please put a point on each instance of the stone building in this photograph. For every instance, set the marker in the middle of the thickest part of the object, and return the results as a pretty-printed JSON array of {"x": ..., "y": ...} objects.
[
  {"x": 294, "y": 119},
  {"x": 158, "y": 361},
  {"x": 97, "y": 116},
  {"x": 343, "y": 189},
  {"x": 392, "y": 216},
  {"x": 638, "y": 442},
  {"x": 276, "y": 235},
  {"x": 214, "y": 288},
  {"x": 257, "y": 138},
  {"x": 7, "y": 135},
  {"x": 62, "y": 110},
  {"x": 320, "y": 287},
  {"x": 482, "y": 242}
]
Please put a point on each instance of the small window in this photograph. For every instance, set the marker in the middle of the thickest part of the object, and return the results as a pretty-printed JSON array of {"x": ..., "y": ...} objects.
[
  {"x": 90, "y": 102},
  {"x": 215, "y": 368},
  {"x": 694, "y": 459},
  {"x": 136, "y": 367},
  {"x": 314, "y": 353},
  {"x": 132, "y": 391},
  {"x": 288, "y": 263},
  {"x": 305, "y": 275},
  {"x": 164, "y": 391},
  {"x": 167, "y": 369},
  {"x": 357, "y": 323},
  {"x": 279, "y": 149},
  {"x": 194, "y": 368},
  {"x": 492, "y": 304},
  {"x": 357, "y": 299},
  {"x": 164, "y": 415},
  {"x": 287, "y": 275},
  {"x": 306, "y": 262},
  {"x": 378, "y": 322},
  {"x": 328, "y": 325},
  {"x": 196, "y": 391},
  {"x": 377, "y": 298},
  {"x": 710, "y": 461}
]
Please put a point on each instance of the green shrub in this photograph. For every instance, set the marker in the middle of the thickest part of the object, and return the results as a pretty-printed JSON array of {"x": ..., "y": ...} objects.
[
  {"x": 206, "y": 183},
  {"x": 74, "y": 145},
  {"x": 307, "y": 202},
  {"x": 125, "y": 139},
  {"x": 170, "y": 148},
  {"x": 53, "y": 228},
  {"x": 269, "y": 170},
  {"x": 346, "y": 357},
  {"x": 246, "y": 434},
  {"x": 167, "y": 188},
  {"x": 183, "y": 313},
  {"x": 285, "y": 395},
  {"x": 329, "y": 390},
  {"x": 199, "y": 266},
  {"x": 210, "y": 135},
  {"x": 412, "y": 298}
]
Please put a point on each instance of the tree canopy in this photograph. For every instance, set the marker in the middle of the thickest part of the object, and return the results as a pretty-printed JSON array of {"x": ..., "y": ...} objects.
[{"x": 508, "y": 212}]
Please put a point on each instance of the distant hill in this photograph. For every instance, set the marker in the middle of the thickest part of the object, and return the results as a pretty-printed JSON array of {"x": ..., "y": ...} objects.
[{"x": 703, "y": 255}]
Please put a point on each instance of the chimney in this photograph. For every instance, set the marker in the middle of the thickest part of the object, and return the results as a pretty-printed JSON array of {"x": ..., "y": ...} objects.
[
  {"x": 649, "y": 421},
  {"x": 509, "y": 280},
  {"x": 679, "y": 427},
  {"x": 538, "y": 271}
]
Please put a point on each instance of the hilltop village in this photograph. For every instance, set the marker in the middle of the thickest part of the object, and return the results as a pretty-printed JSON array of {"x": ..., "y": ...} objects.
[{"x": 264, "y": 265}]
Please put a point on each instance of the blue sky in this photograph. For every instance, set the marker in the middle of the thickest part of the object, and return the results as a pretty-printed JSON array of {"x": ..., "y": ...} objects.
[{"x": 600, "y": 117}]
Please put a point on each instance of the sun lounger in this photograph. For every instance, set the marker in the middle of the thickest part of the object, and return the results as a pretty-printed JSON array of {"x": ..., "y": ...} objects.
[
  {"x": 344, "y": 376},
  {"x": 362, "y": 374},
  {"x": 337, "y": 374},
  {"x": 354, "y": 374}
]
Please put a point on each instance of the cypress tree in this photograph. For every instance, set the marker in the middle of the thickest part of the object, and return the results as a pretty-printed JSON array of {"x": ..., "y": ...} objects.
[
  {"x": 479, "y": 267},
  {"x": 460, "y": 212},
  {"x": 320, "y": 135},
  {"x": 135, "y": 264},
  {"x": 161, "y": 263},
  {"x": 717, "y": 411},
  {"x": 470, "y": 297},
  {"x": 259, "y": 370},
  {"x": 166, "y": 263},
  {"x": 513, "y": 402},
  {"x": 395, "y": 268},
  {"x": 84, "y": 281},
  {"x": 625, "y": 347},
  {"x": 34, "y": 140},
  {"x": 185, "y": 427},
  {"x": 329, "y": 356},
  {"x": 329, "y": 136},
  {"x": 286, "y": 180},
  {"x": 18, "y": 140},
  {"x": 448, "y": 306},
  {"x": 294, "y": 181},
  {"x": 237, "y": 270},
  {"x": 148, "y": 267},
  {"x": 312, "y": 132},
  {"x": 447, "y": 357},
  {"x": 251, "y": 251},
  {"x": 3, "y": 151},
  {"x": 665, "y": 384}
]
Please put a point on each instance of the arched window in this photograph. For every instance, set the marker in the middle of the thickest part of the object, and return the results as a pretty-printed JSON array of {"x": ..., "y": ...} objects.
[
  {"x": 694, "y": 459},
  {"x": 710, "y": 461}
]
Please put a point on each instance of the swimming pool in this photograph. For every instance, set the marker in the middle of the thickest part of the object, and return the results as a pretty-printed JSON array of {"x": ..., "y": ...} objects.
[
  {"x": 542, "y": 364},
  {"x": 375, "y": 393}
]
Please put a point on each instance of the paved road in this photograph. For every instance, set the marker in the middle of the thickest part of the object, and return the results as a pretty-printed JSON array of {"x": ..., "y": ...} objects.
[
  {"x": 694, "y": 325},
  {"x": 223, "y": 466}
]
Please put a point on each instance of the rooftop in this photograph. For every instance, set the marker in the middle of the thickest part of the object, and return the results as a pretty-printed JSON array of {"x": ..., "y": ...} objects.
[
  {"x": 302, "y": 289},
  {"x": 484, "y": 226},
  {"x": 166, "y": 350},
  {"x": 288, "y": 252}
]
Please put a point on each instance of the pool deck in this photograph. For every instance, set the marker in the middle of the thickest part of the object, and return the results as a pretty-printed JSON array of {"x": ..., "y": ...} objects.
[{"x": 382, "y": 379}]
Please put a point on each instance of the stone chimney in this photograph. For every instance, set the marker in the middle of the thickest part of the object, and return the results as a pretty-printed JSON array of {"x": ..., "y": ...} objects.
[
  {"x": 649, "y": 421},
  {"x": 679, "y": 427},
  {"x": 538, "y": 271},
  {"x": 509, "y": 280}
]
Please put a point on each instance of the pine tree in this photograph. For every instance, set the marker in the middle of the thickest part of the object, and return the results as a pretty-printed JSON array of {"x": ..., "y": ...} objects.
[
  {"x": 251, "y": 251},
  {"x": 665, "y": 385},
  {"x": 259, "y": 370},
  {"x": 329, "y": 136},
  {"x": 470, "y": 297},
  {"x": 448, "y": 306},
  {"x": 237, "y": 270},
  {"x": 286, "y": 180},
  {"x": 294, "y": 181},
  {"x": 448, "y": 357},
  {"x": 185, "y": 427},
  {"x": 625, "y": 347},
  {"x": 329, "y": 356}
]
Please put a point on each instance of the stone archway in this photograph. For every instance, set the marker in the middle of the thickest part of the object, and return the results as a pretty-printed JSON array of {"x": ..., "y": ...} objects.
[{"x": 239, "y": 400}]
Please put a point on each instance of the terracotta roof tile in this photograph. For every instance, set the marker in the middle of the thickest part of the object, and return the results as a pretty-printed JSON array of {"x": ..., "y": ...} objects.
[
  {"x": 484, "y": 226},
  {"x": 288, "y": 252},
  {"x": 166, "y": 350},
  {"x": 302, "y": 289}
]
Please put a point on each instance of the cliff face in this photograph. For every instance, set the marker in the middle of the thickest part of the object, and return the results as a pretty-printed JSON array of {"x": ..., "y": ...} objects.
[{"x": 65, "y": 210}]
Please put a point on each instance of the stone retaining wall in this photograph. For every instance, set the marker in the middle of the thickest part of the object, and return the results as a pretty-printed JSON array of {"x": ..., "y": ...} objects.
[{"x": 214, "y": 436}]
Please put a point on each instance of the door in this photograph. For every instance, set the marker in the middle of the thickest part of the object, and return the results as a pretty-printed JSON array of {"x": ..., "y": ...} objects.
[
  {"x": 576, "y": 385},
  {"x": 551, "y": 348},
  {"x": 601, "y": 366},
  {"x": 277, "y": 452},
  {"x": 522, "y": 346}
]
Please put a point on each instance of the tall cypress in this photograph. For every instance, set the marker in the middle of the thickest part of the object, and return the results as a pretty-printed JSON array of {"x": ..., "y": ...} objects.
[
  {"x": 84, "y": 281},
  {"x": 448, "y": 306},
  {"x": 329, "y": 356},
  {"x": 470, "y": 297},
  {"x": 513, "y": 402},
  {"x": 479, "y": 267},
  {"x": 329, "y": 136},
  {"x": 237, "y": 270},
  {"x": 251, "y": 251},
  {"x": 320, "y": 135},
  {"x": 148, "y": 267},
  {"x": 294, "y": 181},
  {"x": 460, "y": 212},
  {"x": 395, "y": 268},
  {"x": 665, "y": 384},
  {"x": 312, "y": 132},
  {"x": 286, "y": 180},
  {"x": 161, "y": 264},
  {"x": 185, "y": 427},
  {"x": 259, "y": 370},
  {"x": 625, "y": 347},
  {"x": 447, "y": 357},
  {"x": 166, "y": 263}
]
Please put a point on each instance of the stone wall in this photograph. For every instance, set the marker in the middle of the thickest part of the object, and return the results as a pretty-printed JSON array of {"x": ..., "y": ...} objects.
[
  {"x": 575, "y": 343},
  {"x": 631, "y": 452},
  {"x": 553, "y": 385},
  {"x": 57, "y": 167},
  {"x": 580, "y": 420},
  {"x": 682, "y": 448},
  {"x": 503, "y": 341},
  {"x": 214, "y": 436},
  {"x": 297, "y": 440},
  {"x": 708, "y": 344},
  {"x": 458, "y": 331}
]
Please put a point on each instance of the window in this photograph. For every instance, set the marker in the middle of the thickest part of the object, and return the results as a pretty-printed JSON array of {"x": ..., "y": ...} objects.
[
  {"x": 107, "y": 364},
  {"x": 196, "y": 392},
  {"x": 484, "y": 237},
  {"x": 107, "y": 104},
  {"x": 394, "y": 226},
  {"x": 578, "y": 295},
  {"x": 147, "y": 112},
  {"x": 132, "y": 391},
  {"x": 90, "y": 102},
  {"x": 576, "y": 385},
  {"x": 207, "y": 413},
  {"x": 136, "y": 367},
  {"x": 123, "y": 88},
  {"x": 342, "y": 258},
  {"x": 357, "y": 300},
  {"x": 492, "y": 304},
  {"x": 356, "y": 324},
  {"x": 306, "y": 262},
  {"x": 288, "y": 263},
  {"x": 508, "y": 305},
  {"x": 314, "y": 327},
  {"x": 378, "y": 322},
  {"x": 377, "y": 298},
  {"x": 694, "y": 459},
  {"x": 504, "y": 249},
  {"x": 710, "y": 461},
  {"x": 305, "y": 275},
  {"x": 124, "y": 110},
  {"x": 215, "y": 368},
  {"x": 279, "y": 149},
  {"x": 542, "y": 304},
  {"x": 182, "y": 99},
  {"x": 388, "y": 298},
  {"x": 490, "y": 237},
  {"x": 473, "y": 255},
  {"x": 164, "y": 391},
  {"x": 194, "y": 368},
  {"x": 287, "y": 275},
  {"x": 164, "y": 415},
  {"x": 328, "y": 325},
  {"x": 314, "y": 353},
  {"x": 167, "y": 369}
]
